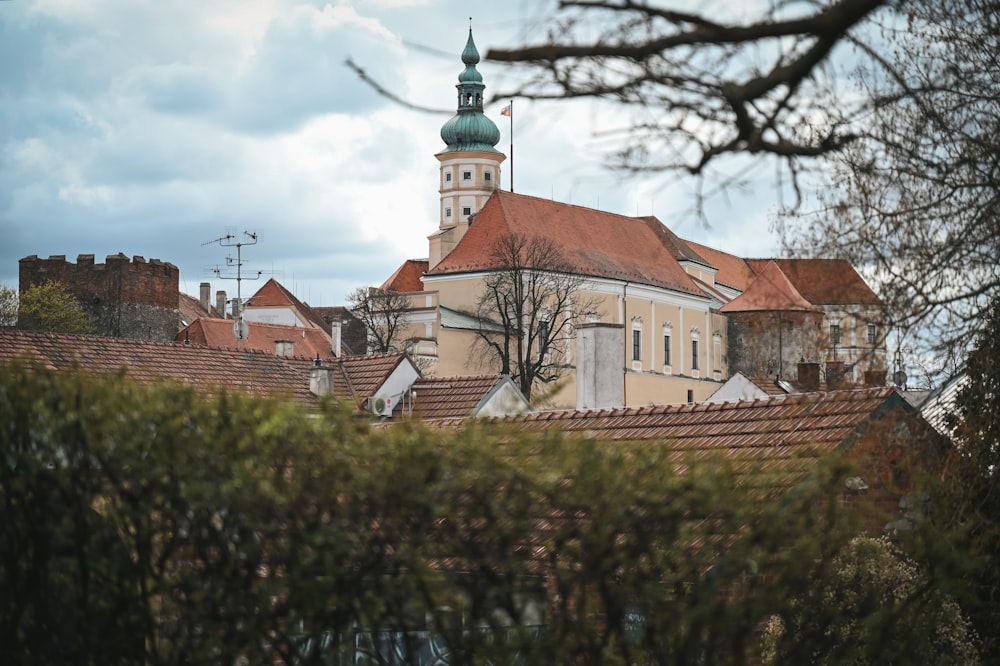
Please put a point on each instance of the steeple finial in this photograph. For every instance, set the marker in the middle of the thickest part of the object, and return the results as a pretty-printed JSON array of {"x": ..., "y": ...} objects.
[{"x": 469, "y": 129}]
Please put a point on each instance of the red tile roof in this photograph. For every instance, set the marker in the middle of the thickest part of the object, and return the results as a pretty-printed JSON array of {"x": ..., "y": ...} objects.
[
  {"x": 731, "y": 271},
  {"x": 145, "y": 361},
  {"x": 824, "y": 281},
  {"x": 357, "y": 378},
  {"x": 770, "y": 291},
  {"x": 308, "y": 342},
  {"x": 791, "y": 430},
  {"x": 274, "y": 295},
  {"x": 407, "y": 277},
  {"x": 447, "y": 397},
  {"x": 595, "y": 243},
  {"x": 190, "y": 309}
]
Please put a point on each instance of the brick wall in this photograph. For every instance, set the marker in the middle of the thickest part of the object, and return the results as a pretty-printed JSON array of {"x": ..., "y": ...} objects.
[{"x": 126, "y": 298}]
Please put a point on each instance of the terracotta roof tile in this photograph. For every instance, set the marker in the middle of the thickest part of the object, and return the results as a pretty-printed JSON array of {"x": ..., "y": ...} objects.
[
  {"x": 308, "y": 342},
  {"x": 356, "y": 378},
  {"x": 777, "y": 429},
  {"x": 770, "y": 291},
  {"x": 145, "y": 361},
  {"x": 731, "y": 271},
  {"x": 824, "y": 281},
  {"x": 447, "y": 397},
  {"x": 274, "y": 294},
  {"x": 407, "y": 277},
  {"x": 595, "y": 242}
]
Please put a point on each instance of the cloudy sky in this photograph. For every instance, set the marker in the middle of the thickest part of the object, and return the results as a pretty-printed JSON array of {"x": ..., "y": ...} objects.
[{"x": 152, "y": 127}]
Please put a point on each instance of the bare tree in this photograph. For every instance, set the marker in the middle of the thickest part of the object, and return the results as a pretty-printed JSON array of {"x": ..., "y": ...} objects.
[
  {"x": 527, "y": 310},
  {"x": 703, "y": 83},
  {"x": 383, "y": 312},
  {"x": 918, "y": 201}
]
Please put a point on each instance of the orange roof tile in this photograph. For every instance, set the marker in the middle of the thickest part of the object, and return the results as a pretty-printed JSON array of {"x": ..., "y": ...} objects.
[
  {"x": 273, "y": 294},
  {"x": 308, "y": 342},
  {"x": 144, "y": 361},
  {"x": 356, "y": 378},
  {"x": 407, "y": 277},
  {"x": 445, "y": 397},
  {"x": 731, "y": 271},
  {"x": 791, "y": 430},
  {"x": 594, "y": 242},
  {"x": 824, "y": 281},
  {"x": 770, "y": 291}
]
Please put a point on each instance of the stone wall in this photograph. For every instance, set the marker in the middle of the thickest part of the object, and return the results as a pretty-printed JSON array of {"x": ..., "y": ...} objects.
[{"x": 126, "y": 298}]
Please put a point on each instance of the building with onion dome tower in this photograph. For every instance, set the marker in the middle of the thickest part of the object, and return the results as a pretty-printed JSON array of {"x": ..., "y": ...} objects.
[{"x": 470, "y": 165}]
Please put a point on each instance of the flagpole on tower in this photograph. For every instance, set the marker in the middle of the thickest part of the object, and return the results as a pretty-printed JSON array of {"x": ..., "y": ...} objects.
[{"x": 509, "y": 112}]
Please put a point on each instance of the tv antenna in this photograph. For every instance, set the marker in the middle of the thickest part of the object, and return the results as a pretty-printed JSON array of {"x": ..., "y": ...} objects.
[{"x": 240, "y": 327}]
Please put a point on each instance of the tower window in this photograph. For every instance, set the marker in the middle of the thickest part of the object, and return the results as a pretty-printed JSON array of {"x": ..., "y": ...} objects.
[
  {"x": 447, "y": 212},
  {"x": 466, "y": 211},
  {"x": 487, "y": 176},
  {"x": 447, "y": 177},
  {"x": 466, "y": 175}
]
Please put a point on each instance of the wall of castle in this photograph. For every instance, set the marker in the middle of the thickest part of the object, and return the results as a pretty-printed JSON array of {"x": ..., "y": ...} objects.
[{"x": 126, "y": 298}]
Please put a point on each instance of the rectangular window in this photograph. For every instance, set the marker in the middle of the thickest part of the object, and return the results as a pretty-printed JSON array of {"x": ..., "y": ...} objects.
[
  {"x": 466, "y": 211},
  {"x": 447, "y": 212},
  {"x": 694, "y": 354},
  {"x": 543, "y": 338},
  {"x": 637, "y": 345},
  {"x": 834, "y": 334},
  {"x": 466, "y": 175},
  {"x": 666, "y": 350},
  {"x": 447, "y": 177},
  {"x": 487, "y": 176},
  {"x": 872, "y": 334}
]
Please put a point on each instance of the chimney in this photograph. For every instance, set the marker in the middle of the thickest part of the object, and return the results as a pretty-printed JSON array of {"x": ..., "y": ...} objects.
[
  {"x": 599, "y": 374},
  {"x": 284, "y": 348},
  {"x": 220, "y": 303},
  {"x": 320, "y": 381},
  {"x": 835, "y": 375},
  {"x": 808, "y": 377},
  {"x": 335, "y": 333},
  {"x": 237, "y": 308},
  {"x": 205, "y": 295}
]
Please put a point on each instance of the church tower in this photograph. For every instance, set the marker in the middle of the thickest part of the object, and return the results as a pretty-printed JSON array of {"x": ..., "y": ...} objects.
[{"x": 470, "y": 165}]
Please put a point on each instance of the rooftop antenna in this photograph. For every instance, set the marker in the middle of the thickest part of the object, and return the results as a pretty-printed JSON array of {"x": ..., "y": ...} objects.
[{"x": 240, "y": 328}]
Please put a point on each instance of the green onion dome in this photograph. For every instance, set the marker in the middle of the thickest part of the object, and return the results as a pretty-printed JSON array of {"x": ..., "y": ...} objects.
[{"x": 470, "y": 129}]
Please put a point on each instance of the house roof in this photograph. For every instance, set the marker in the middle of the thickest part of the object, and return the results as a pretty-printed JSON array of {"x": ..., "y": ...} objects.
[
  {"x": 190, "y": 309},
  {"x": 595, "y": 243},
  {"x": 407, "y": 277},
  {"x": 448, "y": 397},
  {"x": 731, "y": 271},
  {"x": 357, "y": 378},
  {"x": 308, "y": 342},
  {"x": 789, "y": 431},
  {"x": 353, "y": 334},
  {"x": 823, "y": 281},
  {"x": 273, "y": 294},
  {"x": 145, "y": 361},
  {"x": 770, "y": 291}
]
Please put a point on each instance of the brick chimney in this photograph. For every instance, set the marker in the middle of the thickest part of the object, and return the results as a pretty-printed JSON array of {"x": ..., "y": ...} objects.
[
  {"x": 835, "y": 372},
  {"x": 808, "y": 376}
]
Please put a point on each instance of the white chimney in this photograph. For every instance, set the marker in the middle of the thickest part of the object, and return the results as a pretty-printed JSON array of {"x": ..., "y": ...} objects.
[
  {"x": 205, "y": 295},
  {"x": 335, "y": 334},
  {"x": 220, "y": 303}
]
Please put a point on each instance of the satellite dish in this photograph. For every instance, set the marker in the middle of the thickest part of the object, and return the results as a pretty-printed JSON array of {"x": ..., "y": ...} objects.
[{"x": 899, "y": 378}]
